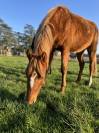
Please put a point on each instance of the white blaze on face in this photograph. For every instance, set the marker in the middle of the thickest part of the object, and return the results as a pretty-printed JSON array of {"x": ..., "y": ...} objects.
[{"x": 32, "y": 79}]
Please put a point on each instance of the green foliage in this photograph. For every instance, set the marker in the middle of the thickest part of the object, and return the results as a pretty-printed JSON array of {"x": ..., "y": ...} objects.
[
  {"x": 29, "y": 33},
  {"x": 20, "y": 41},
  {"x": 6, "y": 35},
  {"x": 75, "y": 112}
]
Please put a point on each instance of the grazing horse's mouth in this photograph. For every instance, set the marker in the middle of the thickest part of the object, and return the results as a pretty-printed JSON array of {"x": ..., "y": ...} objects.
[{"x": 33, "y": 89}]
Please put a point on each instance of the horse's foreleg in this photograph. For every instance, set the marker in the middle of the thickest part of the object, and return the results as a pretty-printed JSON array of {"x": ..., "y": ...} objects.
[
  {"x": 64, "y": 64},
  {"x": 81, "y": 65},
  {"x": 49, "y": 68}
]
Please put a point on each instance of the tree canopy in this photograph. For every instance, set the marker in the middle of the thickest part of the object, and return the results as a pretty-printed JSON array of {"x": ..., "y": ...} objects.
[
  {"x": 9, "y": 38},
  {"x": 6, "y": 35}
]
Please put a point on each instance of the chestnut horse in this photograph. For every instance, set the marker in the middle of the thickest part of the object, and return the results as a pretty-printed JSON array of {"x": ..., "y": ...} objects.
[{"x": 64, "y": 31}]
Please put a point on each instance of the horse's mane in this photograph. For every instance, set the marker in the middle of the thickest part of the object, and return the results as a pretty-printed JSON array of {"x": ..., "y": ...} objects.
[
  {"x": 46, "y": 27},
  {"x": 50, "y": 14}
]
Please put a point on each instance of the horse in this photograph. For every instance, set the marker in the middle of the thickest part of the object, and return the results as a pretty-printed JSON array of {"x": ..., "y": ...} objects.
[{"x": 64, "y": 31}]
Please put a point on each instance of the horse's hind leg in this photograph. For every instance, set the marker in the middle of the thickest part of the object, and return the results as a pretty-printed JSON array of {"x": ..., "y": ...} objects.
[
  {"x": 92, "y": 56},
  {"x": 81, "y": 65},
  {"x": 92, "y": 63}
]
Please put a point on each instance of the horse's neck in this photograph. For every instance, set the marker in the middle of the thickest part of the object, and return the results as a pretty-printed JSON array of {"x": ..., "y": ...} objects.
[
  {"x": 47, "y": 49},
  {"x": 45, "y": 44}
]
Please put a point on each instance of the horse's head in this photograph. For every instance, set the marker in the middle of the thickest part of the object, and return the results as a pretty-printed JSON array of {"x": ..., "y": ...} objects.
[{"x": 35, "y": 72}]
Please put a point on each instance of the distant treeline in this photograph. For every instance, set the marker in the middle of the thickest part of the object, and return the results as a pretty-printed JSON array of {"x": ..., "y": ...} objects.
[{"x": 10, "y": 38}]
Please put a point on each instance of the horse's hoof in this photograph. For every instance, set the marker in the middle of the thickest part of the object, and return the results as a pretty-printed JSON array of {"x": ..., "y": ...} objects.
[
  {"x": 30, "y": 102},
  {"x": 62, "y": 91},
  {"x": 77, "y": 81},
  {"x": 90, "y": 84},
  {"x": 86, "y": 83}
]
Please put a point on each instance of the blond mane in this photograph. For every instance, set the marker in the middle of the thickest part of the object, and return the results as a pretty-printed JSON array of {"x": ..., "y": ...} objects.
[{"x": 46, "y": 28}]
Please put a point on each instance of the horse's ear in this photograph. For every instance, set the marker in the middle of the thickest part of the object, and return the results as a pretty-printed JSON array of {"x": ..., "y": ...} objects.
[
  {"x": 29, "y": 53},
  {"x": 44, "y": 56},
  {"x": 32, "y": 46}
]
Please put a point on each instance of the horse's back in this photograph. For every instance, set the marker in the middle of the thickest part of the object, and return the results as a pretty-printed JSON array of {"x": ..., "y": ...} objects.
[
  {"x": 80, "y": 32},
  {"x": 69, "y": 29}
]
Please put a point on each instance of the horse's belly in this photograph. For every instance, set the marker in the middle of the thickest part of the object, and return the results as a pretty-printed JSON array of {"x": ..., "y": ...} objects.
[{"x": 80, "y": 47}]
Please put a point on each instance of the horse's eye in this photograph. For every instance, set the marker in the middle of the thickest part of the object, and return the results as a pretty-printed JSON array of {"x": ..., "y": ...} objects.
[{"x": 34, "y": 73}]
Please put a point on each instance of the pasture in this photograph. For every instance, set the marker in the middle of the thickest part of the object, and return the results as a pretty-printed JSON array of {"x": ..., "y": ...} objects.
[{"x": 75, "y": 112}]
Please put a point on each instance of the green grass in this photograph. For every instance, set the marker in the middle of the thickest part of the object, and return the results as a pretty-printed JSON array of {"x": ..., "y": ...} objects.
[{"x": 75, "y": 112}]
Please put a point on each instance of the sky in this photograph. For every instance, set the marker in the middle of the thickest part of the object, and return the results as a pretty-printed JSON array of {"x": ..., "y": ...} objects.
[{"x": 18, "y": 13}]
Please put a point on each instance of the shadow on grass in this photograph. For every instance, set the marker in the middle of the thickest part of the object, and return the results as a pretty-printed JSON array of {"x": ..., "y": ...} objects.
[
  {"x": 59, "y": 109},
  {"x": 93, "y": 103},
  {"x": 56, "y": 115},
  {"x": 8, "y": 70},
  {"x": 14, "y": 123},
  {"x": 74, "y": 73},
  {"x": 5, "y": 94},
  {"x": 13, "y": 72}
]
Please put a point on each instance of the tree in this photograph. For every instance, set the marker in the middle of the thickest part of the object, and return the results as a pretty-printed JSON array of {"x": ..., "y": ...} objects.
[
  {"x": 6, "y": 35},
  {"x": 29, "y": 32},
  {"x": 20, "y": 41},
  {"x": 19, "y": 37}
]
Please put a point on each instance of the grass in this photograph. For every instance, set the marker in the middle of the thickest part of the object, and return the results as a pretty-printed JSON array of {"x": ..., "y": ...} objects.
[{"x": 75, "y": 112}]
